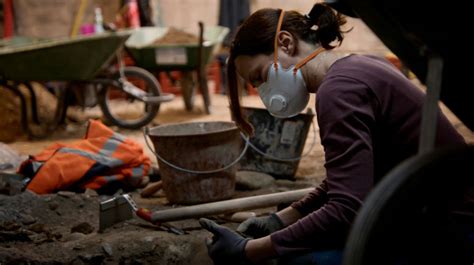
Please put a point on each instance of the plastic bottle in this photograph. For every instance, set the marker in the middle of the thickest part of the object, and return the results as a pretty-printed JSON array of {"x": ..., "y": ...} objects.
[{"x": 99, "y": 21}]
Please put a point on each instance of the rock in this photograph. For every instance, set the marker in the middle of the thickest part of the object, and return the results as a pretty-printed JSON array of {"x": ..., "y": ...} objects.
[
  {"x": 30, "y": 195},
  {"x": 252, "y": 180},
  {"x": 78, "y": 247},
  {"x": 38, "y": 228},
  {"x": 132, "y": 261},
  {"x": 9, "y": 226},
  {"x": 107, "y": 248},
  {"x": 27, "y": 219},
  {"x": 239, "y": 217},
  {"x": 66, "y": 194},
  {"x": 10, "y": 184},
  {"x": 92, "y": 258},
  {"x": 76, "y": 261},
  {"x": 53, "y": 205},
  {"x": 284, "y": 183},
  {"x": 6, "y": 236},
  {"x": 148, "y": 239},
  {"x": 57, "y": 235},
  {"x": 78, "y": 200},
  {"x": 84, "y": 228},
  {"x": 39, "y": 238},
  {"x": 89, "y": 193},
  {"x": 73, "y": 237}
]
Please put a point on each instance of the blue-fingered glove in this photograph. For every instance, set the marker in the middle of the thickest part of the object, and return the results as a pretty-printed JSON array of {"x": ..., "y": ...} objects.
[
  {"x": 226, "y": 246},
  {"x": 257, "y": 227}
]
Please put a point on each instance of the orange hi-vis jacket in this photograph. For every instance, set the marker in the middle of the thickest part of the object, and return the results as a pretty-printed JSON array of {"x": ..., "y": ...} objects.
[{"x": 100, "y": 158}]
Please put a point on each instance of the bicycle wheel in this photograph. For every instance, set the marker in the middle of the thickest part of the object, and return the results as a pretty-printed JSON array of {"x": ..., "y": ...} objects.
[{"x": 122, "y": 109}]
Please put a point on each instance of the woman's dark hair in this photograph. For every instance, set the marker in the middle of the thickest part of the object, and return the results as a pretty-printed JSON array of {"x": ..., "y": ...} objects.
[{"x": 256, "y": 35}]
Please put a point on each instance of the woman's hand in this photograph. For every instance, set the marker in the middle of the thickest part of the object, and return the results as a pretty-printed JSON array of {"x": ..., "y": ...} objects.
[
  {"x": 257, "y": 227},
  {"x": 226, "y": 246}
]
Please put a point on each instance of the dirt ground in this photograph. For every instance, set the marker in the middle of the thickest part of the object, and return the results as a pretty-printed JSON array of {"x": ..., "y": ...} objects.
[{"x": 63, "y": 228}]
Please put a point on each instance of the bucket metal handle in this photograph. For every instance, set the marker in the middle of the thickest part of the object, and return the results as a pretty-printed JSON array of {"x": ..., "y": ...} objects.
[
  {"x": 286, "y": 159},
  {"x": 246, "y": 140}
]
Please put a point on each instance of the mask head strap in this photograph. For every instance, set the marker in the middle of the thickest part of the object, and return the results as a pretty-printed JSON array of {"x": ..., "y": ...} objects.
[
  {"x": 275, "y": 48},
  {"x": 308, "y": 58}
]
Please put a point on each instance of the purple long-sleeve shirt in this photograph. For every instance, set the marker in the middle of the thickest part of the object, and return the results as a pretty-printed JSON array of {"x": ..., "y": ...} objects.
[{"x": 369, "y": 117}]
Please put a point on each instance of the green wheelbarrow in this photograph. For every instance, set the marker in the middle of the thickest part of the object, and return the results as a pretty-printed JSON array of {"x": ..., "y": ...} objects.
[
  {"x": 178, "y": 57},
  {"x": 76, "y": 62}
]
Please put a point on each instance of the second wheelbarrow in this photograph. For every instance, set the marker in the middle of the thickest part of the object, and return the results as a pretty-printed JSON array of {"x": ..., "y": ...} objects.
[{"x": 178, "y": 57}]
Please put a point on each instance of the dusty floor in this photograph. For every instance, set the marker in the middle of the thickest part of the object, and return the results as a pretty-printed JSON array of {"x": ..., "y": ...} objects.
[{"x": 63, "y": 228}]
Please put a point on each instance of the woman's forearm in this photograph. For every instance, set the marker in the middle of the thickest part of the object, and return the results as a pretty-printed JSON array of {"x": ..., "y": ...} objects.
[
  {"x": 260, "y": 249},
  {"x": 289, "y": 215}
]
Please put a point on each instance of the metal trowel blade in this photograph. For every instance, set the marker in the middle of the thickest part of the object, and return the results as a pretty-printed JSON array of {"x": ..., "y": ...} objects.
[{"x": 113, "y": 211}]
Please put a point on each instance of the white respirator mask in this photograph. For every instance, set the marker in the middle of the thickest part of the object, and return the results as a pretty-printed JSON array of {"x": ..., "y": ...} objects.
[{"x": 284, "y": 94}]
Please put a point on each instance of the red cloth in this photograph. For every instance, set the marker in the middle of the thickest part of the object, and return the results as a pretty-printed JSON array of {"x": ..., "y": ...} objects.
[{"x": 7, "y": 18}]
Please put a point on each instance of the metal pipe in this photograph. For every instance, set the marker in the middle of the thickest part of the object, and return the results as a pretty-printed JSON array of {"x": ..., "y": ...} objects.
[{"x": 429, "y": 120}]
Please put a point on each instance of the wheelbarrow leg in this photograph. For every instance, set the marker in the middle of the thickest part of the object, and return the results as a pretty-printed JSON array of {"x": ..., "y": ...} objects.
[
  {"x": 187, "y": 88},
  {"x": 204, "y": 90},
  {"x": 34, "y": 105},
  {"x": 61, "y": 92},
  {"x": 202, "y": 71},
  {"x": 63, "y": 104},
  {"x": 24, "y": 110}
]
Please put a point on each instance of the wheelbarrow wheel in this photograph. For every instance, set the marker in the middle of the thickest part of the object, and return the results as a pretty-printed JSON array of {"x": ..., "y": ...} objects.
[
  {"x": 420, "y": 213},
  {"x": 123, "y": 110}
]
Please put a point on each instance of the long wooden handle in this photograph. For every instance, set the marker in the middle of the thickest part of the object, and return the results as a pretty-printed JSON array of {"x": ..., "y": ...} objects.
[
  {"x": 234, "y": 205},
  {"x": 151, "y": 189},
  {"x": 79, "y": 17}
]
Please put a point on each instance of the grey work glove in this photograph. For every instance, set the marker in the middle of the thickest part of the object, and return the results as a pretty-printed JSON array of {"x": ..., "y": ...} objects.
[
  {"x": 257, "y": 227},
  {"x": 226, "y": 246}
]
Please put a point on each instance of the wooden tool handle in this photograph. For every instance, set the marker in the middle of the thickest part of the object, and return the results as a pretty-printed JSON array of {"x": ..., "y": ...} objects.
[
  {"x": 235, "y": 205},
  {"x": 151, "y": 188}
]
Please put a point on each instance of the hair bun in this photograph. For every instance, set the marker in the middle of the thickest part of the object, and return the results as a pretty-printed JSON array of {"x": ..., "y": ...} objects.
[
  {"x": 328, "y": 24},
  {"x": 316, "y": 12},
  {"x": 310, "y": 19}
]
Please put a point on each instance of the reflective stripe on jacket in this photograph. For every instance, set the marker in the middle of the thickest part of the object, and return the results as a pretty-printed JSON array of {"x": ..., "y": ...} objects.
[{"x": 100, "y": 158}]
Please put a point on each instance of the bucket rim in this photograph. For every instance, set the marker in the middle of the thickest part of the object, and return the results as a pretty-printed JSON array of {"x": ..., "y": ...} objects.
[
  {"x": 264, "y": 109},
  {"x": 223, "y": 130}
]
